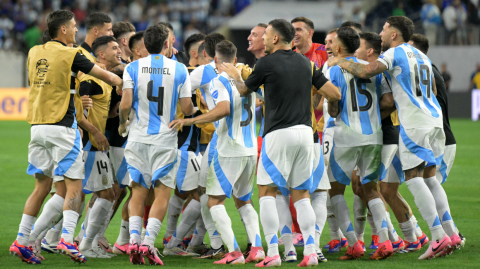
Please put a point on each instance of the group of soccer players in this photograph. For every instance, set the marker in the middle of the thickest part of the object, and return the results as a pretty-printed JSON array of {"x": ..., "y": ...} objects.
[{"x": 125, "y": 110}]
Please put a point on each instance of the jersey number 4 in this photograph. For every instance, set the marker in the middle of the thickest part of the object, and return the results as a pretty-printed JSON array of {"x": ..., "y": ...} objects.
[
  {"x": 353, "y": 91},
  {"x": 156, "y": 99},
  {"x": 426, "y": 82}
]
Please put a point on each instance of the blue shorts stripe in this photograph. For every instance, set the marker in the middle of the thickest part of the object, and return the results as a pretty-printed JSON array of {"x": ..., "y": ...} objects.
[
  {"x": 246, "y": 197},
  {"x": 122, "y": 171},
  {"x": 443, "y": 169},
  {"x": 397, "y": 165},
  {"x": 163, "y": 171},
  {"x": 31, "y": 170},
  {"x": 88, "y": 169},
  {"x": 420, "y": 152},
  {"x": 70, "y": 158},
  {"x": 182, "y": 170},
  {"x": 136, "y": 176},
  {"x": 222, "y": 178},
  {"x": 318, "y": 173},
  {"x": 337, "y": 171},
  {"x": 270, "y": 167}
]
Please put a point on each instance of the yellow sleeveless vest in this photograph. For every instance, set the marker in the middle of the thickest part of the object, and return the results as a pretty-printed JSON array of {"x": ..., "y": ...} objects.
[
  {"x": 98, "y": 114},
  {"x": 49, "y": 73}
]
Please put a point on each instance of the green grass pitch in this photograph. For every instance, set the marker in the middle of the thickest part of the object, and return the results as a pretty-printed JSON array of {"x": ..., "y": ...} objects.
[{"x": 462, "y": 187}]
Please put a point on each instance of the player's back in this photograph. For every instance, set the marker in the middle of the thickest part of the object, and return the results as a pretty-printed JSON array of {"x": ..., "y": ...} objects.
[
  {"x": 158, "y": 83},
  {"x": 412, "y": 76},
  {"x": 201, "y": 78},
  {"x": 236, "y": 132},
  {"x": 358, "y": 122}
]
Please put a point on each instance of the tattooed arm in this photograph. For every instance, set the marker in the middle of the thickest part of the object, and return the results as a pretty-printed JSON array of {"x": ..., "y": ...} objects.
[
  {"x": 316, "y": 101},
  {"x": 333, "y": 109},
  {"x": 358, "y": 69},
  {"x": 118, "y": 70},
  {"x": 234, "y": 73}
]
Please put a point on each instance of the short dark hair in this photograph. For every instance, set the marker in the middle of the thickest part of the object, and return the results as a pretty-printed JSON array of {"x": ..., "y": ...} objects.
[
  {"x": 226, "y": 50},
  {"x": 264, "y": 25},
  {"x": 358, "y": 27},
  {"x": 201, "y": 48},
  {"x": 191, "y": 40},
  {"x": 56, "y": 19},
  {"x": 211, "y": 40},
  {"x": 97, "y": 19},
  {"x": 349, "y": 38},
  {"x": 134, "y": 39},
  {"x": 373, "y": 40},
  {"x": 420, "y": 42},
  {"x": 332, "y": 31},
  {"x": 403, "y": 24},
  {"x": 305, "y": 20},
  {"x": 154, "y": 38},
  {"x": 100, "y": 42},
  {"x": 120, "y": 28},
  {"x": 166, "y": 24},
  {"x": 284, "y": 28},
  {"x": 46, "y": 36}
]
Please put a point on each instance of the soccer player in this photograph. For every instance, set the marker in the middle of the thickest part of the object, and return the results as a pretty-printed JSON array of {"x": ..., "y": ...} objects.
[
  {"x": 137, "y": 46},
  {"x": 420, "y": 42},
  {"x": 354, "y": 25},
  {"x": 152, "y": 87},
  {"x": 172, "y": 53},
  {"x": 356, "y": 143},
  {"x": 55, "y": 143},
  {"x": 255, "y": 41},
  {"x": 420, "y": 126},
  {"x": 98, "y": 170},
  {"x": 122, "y": 31},
  {"x": 287, "y": 114},
  {"x": 233, "y": 167},
  {"x": 191, "y": 48},
  {"x": 303, "y": 43}
]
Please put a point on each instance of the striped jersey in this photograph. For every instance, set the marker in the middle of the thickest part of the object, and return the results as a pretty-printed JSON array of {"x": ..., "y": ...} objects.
[
  {"x": 358, "y": 122},
  {"x": 328, "y": 121},
  {"x": 157, "y": 83},
  {"x": 201, "y": 78},
  {"x": 411, "y": 78},
  {"x": 236, "y": 132}
]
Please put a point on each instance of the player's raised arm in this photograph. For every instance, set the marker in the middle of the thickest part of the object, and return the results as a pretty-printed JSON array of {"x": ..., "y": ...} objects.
[
  {"x": 358, "y": 69},
  {"x": 109, "y": 77},
  {"x": 234, "y": 73}
]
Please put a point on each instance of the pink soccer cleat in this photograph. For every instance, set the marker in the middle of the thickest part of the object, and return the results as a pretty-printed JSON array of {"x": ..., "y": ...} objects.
[
  {"x": 71, "y": 250},
  {"x": 256, "y": 254},
  {"x": 24, "y": 253},
  {"x": 135, "y": 256},
  {"x": 235, "y": 257},
  {"x": 270, "y": 262},
  {"x": 399, "y": 245},
  {"x": 437, "y": 248},
  {"x": 310, "y": 260},
  {"x": 117, "y": 249},
  {"x": 153, "y": 255},
  {"x": 354, "y": 252},
  {"x": 384, "y": 250}
]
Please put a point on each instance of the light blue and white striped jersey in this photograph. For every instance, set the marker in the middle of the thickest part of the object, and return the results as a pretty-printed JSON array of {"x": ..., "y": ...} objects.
[
  {"x": 328, "y": 121},
  {"x": 236, "y": 132},
  {"x": 358, "y": 122},
  {"x": 157, "y": 83},
  {"x": 411, "y": 78},
  {"x": 201, "y": 78}
]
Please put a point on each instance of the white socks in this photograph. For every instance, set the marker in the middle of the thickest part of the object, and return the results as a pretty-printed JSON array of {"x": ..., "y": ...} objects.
[
  {"x": 153, "y": 228},
  {"x": 418, "y": 230},
  {"x": 360, "y": 216},
  {"x": 223, "y": 223},
  {"x": 250, "y": 220},
  {"x": 135, "y": 226},
  {"x": 408, "y": 230},
  {"x": 98, "y": 215},
  {"x": 70, "y": 219},
  {"x": 101, "y": 233},
  {"x": 377, "y": 207},
  {"x": 285, "y": 222},
  {"x": 306, "y": 221},
  {"x": 319, "y": 204},
  {"x": 199, "y": 233},
  {"x": 441, "y": 202},
  {"x": 426, "y": 205},
  {"x": 189, "y": 219},
  {"x": 335, "y": 232},
  {"x": 342, "y": 214},
  {"x": 371, "y": 223},
  {"x": 124, "y": 234},
  {"x": 215, "y": 239},
  {"x": 269, "y": 219},
  {"x": 175, "y": 206},
  {"x": 53, "y": 235},
  {"x": 392, "y": 234},
  {"x": 51, "y": 213},
  {"x": 24, "y": 229}
]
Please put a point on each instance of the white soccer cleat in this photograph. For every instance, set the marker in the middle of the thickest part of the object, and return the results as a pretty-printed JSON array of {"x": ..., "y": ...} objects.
[
  {"x": 102, "y": 252},
  {"x": 177, "y": 251}
]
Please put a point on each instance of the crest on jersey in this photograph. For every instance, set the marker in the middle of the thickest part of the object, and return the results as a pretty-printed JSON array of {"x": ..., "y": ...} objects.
[
  {"x": 104, "y": 180},
  {"x": 42, "y": 67},
  {"x": 215, "y": 94}
]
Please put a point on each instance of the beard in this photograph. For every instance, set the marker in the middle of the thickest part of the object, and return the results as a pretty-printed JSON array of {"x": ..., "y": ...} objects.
[{"x": 385, "y": 46}]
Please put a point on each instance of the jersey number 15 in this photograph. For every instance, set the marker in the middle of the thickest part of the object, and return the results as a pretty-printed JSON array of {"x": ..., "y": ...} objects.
[{"x": 353, "y": 91}]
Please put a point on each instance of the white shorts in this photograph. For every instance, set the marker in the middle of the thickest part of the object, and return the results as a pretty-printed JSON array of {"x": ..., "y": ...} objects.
[
  {"x": 147, "y": 163},
  {"x": 207, "y": 160},
  {"x": 98, "y": 172},
  {"x": 287, "y": 158},
  {"x": 391, "y": 167},
  {"x": 229, "y": 175},
  {"x": 188, "y": 171},
  {"x": 421, "y": 145},
  {"x": 119, "y": 164},
  {"x": 327, "y": 144},
  {"x": 55, "y": 151},
  {"x": 344, "y": 160},
  {"x": 443, "y": 169}
]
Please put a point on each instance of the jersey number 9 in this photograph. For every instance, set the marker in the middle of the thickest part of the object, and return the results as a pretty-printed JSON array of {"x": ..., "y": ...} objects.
[
  {"x": 156, "y": 99},
  {"x": 426, "y": 82}
]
